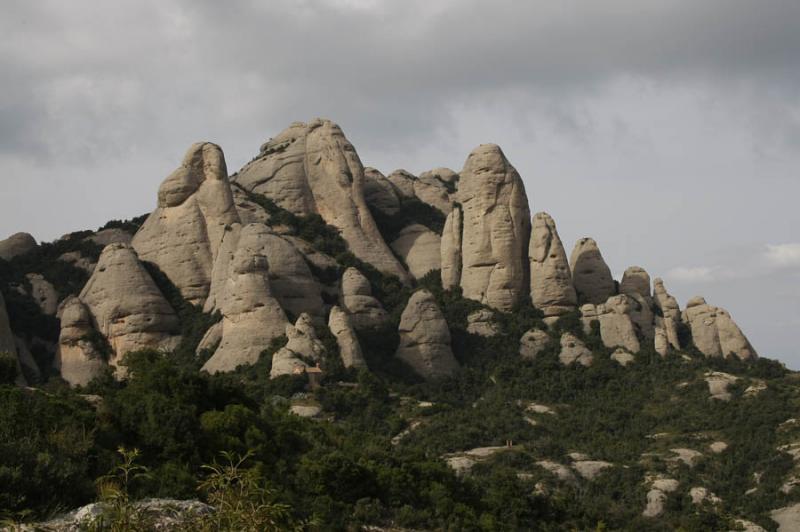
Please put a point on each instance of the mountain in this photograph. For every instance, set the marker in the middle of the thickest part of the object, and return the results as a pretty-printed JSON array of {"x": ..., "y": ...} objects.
[{"x": 388, "y": 351}]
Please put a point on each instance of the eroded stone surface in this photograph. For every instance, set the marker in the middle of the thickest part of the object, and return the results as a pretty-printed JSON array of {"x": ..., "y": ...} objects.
[
  {"x": 420, "y": 249},
  {"x": 349, "y": 348},
  {"x": 357, "y": 300},
  {"x": 715, "y": 333},
  {"x": 573, "y": 350},
  {"x": 533, "y": 342},
  {"x": 590, "y": 273},
  {"x": 496, "y": 229},
  {"x": 551, "y": 280},
  {"x": 15, "y": 245}
]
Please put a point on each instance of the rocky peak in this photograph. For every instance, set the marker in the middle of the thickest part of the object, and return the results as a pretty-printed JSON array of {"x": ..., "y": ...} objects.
[
  {"x": 590, "y": 273},
  {"x": 635, "y": 280},
  {"x": 16, "y": 244},
  {"x": 182, "y": 235},
  {"x": 714, "y": 332},
  {"x": 551, "y": 280},
  {"x": 313, "y": 169},
  {"x": 496, "y": 229}
]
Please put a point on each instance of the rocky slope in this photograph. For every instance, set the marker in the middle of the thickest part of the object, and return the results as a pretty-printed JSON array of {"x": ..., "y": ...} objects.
[{"x": 306, "y": 265}]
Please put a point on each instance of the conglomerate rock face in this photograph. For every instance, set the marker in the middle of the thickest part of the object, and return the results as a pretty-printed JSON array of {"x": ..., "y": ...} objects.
[
  {"x": 715, "y": 333},
  {"x": 420, "y": 249},
  {"x": 251, "y": 313},
  {"x": 9, "y": 344},
  {"x": 496, "y": 229},
  {"x": 349, "y": 347},
  {"x": 303, "y": 348},
  {"x": 313, "y": 169},
  {"x": 425, "y": 338},
  {"x": 450, "y": 250},
  {"x": 126, "y": 306},
  {"x": 551, "y": 280},
  {"x": 182, "y": 235}
]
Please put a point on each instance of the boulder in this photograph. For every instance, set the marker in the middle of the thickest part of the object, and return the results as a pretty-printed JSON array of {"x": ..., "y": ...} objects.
[
  {"x": 590, "y": 273},
  {"x": 420, "y": 249},
  {"x": 425, "y": 338},
  {"x": 251, "y": 314},
  {"x": 126, "y": 306},
  {"x": 182, "y": 235},
  {"x": 77, "y": 358},
  {"x": 451, "y": 249},
  {"x": 357, "y": 300},
  {"x": 635, "y": 280},
  {"x": 15, "y": 245},
  {"x": 380, "y": 193},
  {"x": 482, "y": 323},
  {"x": 349, "y": 348},
  {"x": 551, "y": 281},
  {"x": 43, "y": 293},
  {"x": 496, "y": 229},
  {"x": 657, "y": 496},
  {"x": 622, "y": 357},
  {"x": 573, "y": 350},
  {"x": 715, "y": 333},
  {"x": 532, "y": 343},
  {"x": 313, "y": 169},
  {"x": 718, "y": 383}
]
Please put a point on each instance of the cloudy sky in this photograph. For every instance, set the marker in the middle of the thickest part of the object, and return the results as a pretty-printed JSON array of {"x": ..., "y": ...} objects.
[{"x": 667, "y": 130}]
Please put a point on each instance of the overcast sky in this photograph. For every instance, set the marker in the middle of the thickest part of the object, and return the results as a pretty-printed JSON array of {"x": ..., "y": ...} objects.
[{"x": 669, "y": 131}]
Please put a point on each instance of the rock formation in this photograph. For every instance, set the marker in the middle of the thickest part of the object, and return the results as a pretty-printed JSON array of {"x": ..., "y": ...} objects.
[
  {"x": 670, "y": 313},
  {"x": 380, "y": 193},
  {"x": 77, "y": 358},
  {"x": 126, "y": 306},
  {"x": 622, "y": 357},
  {"x": 313, "y": 169},
  {"x": 496, "y": 229},
  {"x": 590, "y": 274},
  {"x": 635, "y": 280},
  {"x": 425, "y": 338},
  {"x": 427, "y": 188},
  {"x": 15, "y": 245},
  {"x": 573, "y": 350},
  {"x": 303, "y": 348},
  {"x": 714, "y": 332},
  {"x": 532, "y": 343},
  {"x": 111, "y": 236},
  {"x": 290, "y": 279},
  {"x": 357, "y": 300},
  {"x": 551, "y": 281},
  {"x": 349, "y": 348},
  {"x": 251, "y": 314},
  {"x": 182, "y": 235},
  {"x": 420, "y": 249},
  {"x": 616, "y": 326},
  {"x": 482, "y": 323},
  {"x": 7, "y": 341},
  {"x": 43, "y": 293},
  {"x": 451, "y": 249}
]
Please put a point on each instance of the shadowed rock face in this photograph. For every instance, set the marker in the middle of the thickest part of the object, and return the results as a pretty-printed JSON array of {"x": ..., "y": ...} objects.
[
  {"x": 450, "y": 250},
  {"x": 313, "y": 169},
  {"x": 251, "y": 314},
  {"x": 77, "y": 359},
  {"x": 670, "y": 315},
  {"x": 357, "y": 300},
  {"x": 15, "y": 245},
  {"x": 380, "y": 193},
  {"x": 715, "y": 333},
  {"x": 125, "y": 305},
  {"x": 425, "y": 338},
  {"x": 428, "y": 188},
  {"x": 590, "y": 273},
  {"x": 496, "y": 229},
  {"x": 551, "y": 279},
  {"x": 182, "y": 235},
  {"x": 9, "y": 344}
]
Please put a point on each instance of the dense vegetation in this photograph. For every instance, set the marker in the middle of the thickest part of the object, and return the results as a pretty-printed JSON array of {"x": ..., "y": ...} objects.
[{"x": 375, "y": 455}]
